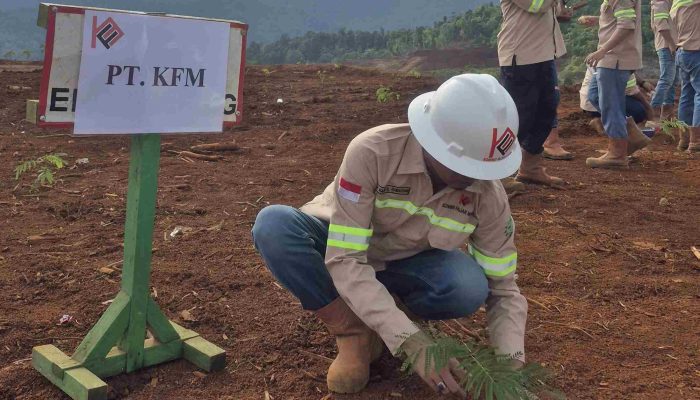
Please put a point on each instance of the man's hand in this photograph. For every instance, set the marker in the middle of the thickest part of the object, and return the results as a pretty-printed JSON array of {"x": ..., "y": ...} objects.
[
  {"x": 588, "y": 20},
  {"x": 443, "y": 382},
  {"x": 566, "y": 14},
  {"x": 594, "y": 58}
]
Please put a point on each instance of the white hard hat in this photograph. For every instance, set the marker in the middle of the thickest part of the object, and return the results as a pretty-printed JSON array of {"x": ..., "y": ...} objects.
[{"x": 469, "y": 125}]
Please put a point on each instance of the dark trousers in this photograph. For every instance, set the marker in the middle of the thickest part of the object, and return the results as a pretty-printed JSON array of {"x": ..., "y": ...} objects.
[{"x": 533, "y": 88}]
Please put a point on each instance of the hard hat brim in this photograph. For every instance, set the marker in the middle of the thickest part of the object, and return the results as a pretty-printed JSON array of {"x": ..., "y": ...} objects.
[{"x": 422, "y": 129}]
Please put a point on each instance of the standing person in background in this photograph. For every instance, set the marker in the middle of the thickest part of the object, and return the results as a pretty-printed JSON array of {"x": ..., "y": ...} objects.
[
  {"x": 619, "y": 54},
  {"x": 665, "y": 39},
  {"x": 686, "y": 15},
  {"x": 528, "y": 43}
]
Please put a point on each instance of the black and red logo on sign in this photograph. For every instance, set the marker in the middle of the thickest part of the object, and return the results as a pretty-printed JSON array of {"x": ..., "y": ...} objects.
[
  {"x": 501, "y": 143},
  {"x": 108, "y": 33}
]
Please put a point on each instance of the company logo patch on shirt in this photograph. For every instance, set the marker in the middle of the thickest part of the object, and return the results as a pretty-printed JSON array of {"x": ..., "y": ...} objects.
[
  {"x": 388, "y": 189},
  {"x": 510, "y": 227},
  {"x": 501, "y": 143},
  {"x": 459, "y": 209},
  {"x": 349, "y": 191}
]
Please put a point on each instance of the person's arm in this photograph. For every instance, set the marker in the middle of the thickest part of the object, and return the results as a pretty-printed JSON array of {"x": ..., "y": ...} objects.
[
  {"x": 588, "y": 20},
  {"x": 493, "y": 247},
  {"x": 535, "y": 6},
  {"x": 662, "y": 22},
  {"x": 349, "y": 235},
  {"x": 626, "y": 17}
]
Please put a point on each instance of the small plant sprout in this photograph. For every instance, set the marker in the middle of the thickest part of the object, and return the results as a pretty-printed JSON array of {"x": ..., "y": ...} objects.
[
  {"x": 322, "y": 75},
  {"x": 266, "y": 72},
  {"x": 669, "y": 125},
  {"x": 414, "y": 73},
  {"x": 337, "y": 66},
  {"x": 385, "y": 94},
  {"x": 487, "y": 375},
  {"x": 45, "y": 168}
]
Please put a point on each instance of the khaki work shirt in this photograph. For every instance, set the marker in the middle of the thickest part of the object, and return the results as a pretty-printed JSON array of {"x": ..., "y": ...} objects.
[
  {"x": 530, "y": 33},
  {"x": 621, "y": 14},
  {"x": 661, "y": 21},
  {"x": 686, "y": 15},
  {"x": 381, "y": 207}
]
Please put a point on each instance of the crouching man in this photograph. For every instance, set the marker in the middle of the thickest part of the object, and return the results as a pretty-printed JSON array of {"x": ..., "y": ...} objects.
[{"x": 404, "y": 201}]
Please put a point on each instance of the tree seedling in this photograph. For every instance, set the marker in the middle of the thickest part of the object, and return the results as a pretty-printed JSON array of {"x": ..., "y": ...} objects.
[
  {"x": 385, "y": 94},
  {"x": 669, "y": 125},
  {"x": 487, "y": 375},
  {"x": 45, "y": 168}
]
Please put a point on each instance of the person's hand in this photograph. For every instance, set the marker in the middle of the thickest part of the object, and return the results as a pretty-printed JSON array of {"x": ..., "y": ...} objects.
[
  {"x": 594, "y": 58},
  {"x": 444, "y": 382},
  {"x": 673, "y": 47},
  {"x": 588, "y": 20}
]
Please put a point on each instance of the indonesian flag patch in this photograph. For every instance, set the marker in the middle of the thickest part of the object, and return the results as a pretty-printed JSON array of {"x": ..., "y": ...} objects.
[{"x": 349, "y": 190}]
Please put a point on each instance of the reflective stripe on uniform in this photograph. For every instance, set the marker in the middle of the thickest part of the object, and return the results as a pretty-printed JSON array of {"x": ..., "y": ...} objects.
[
  {"x": 495, "y": 267},
  {"x": 347, "y": 237},
  {"x": 627, "y": 13},
  {"x": 632, "y": 82},
  {"x": 442, "y": 222},
  {"x": 536, "y": 5},
  {"x": 662, "y": 15},
  {"x": 680, "y": 3}
]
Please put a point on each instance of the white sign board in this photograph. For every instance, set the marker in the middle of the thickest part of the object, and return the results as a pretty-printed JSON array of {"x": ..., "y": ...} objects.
[
  {"x": 143, "y": 74},
  {"x": 59, "y": 96}
]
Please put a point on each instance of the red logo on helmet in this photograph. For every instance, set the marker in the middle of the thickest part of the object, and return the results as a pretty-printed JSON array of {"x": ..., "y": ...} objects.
[{"x": 501, "y": 143}]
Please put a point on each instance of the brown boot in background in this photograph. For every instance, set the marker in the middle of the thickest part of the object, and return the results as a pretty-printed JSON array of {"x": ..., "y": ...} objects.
[
  {"x": 597, "y": 125},
  {"x": 636, "y": 139},
  {"x": 553, "y": 148},
  {"x": 694, "y": 142},
  {"x": 615, "y": 158},
  {"x": 532, "y": 171},
  {"x": 357, "y": 345},
  {"x": 512, "y": 186}
]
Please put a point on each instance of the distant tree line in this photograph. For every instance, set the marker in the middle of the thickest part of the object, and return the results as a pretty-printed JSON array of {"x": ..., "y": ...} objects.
[{"x": 475, "y": 28}]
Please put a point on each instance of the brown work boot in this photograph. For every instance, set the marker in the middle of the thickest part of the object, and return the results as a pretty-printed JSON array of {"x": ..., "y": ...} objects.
[
  {"x": 357, "y": 344},
  {"x": 512, "y": 186},
  {"x": 597, "y": 125},
  {"x": 532, "y": 171},
  {"x": 615, "y": 158},
  {"x": 636, "y": 139},
  {"x": 684, "y": 140},
  {"x": 553, "y": 148},
  {"x": 694, "y": 142}
]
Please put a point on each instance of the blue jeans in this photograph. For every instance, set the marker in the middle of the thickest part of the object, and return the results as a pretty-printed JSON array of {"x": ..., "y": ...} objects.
[
  {"x": 689, "y": 106},
  {"x": 608, "y": 86},
  {"x": 668, "y": 80},
  {"x": 434, "y": 285}
]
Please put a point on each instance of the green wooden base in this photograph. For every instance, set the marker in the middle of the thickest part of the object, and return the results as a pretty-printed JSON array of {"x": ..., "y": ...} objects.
[
  {"x": 81, "y": 380},
  {"x": 118, "y": 342}
]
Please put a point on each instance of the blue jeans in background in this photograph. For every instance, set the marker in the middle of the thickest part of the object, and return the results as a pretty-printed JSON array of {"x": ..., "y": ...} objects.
[
  {"x": 609, "y": 85},
  {"x": 434, "y": 285},
  {"x": 668, "y": 80},
  {"x": 689, "y": 106}
]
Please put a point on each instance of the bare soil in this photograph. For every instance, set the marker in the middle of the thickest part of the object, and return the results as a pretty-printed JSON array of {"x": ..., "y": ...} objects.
[{"x": 614, "y": 288}]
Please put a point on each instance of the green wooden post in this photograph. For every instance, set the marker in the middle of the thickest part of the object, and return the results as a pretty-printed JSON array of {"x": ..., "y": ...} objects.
[
  {"x": 125, "y": 322},
  {"x": 138, "y": 241}
]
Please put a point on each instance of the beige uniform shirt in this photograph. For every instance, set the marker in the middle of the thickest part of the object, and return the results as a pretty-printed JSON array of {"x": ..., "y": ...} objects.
[
  {"x": 686, "y": 15},
  {"x": 381, "y": 207},
  {"x": 661, "y": 21},
  {"x": 621, "y": 14},
  {"x": 530, "y": 33}
]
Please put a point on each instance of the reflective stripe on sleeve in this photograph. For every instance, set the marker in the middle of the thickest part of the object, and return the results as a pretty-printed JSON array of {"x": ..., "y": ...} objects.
[
  {"x": 495, "y": 267},
  {"x": 347, "y": 237},
  {"x": 680, "y": 3},
  {"x": 536, "y": 6},
  {"x": 627, "y": 13},
  {"x": 662, "y": 15},
  {"x": 632, "y": 82},
  {"x": 443, "y": 222}
]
